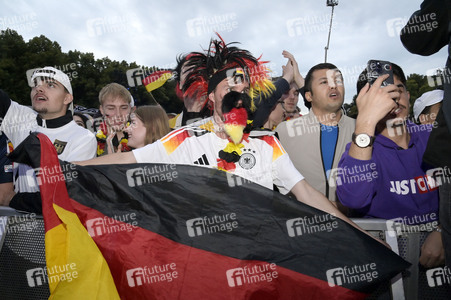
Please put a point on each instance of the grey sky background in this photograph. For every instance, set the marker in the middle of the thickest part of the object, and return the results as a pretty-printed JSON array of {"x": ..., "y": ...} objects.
[{"x": 154, "y": 33}]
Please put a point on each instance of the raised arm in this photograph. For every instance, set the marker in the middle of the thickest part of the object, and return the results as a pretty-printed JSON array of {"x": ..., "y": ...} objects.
[
  {"x": 297, "y": 77},
  {"x": 373, "y": 105},
  {"x": 434, "y": 15}
]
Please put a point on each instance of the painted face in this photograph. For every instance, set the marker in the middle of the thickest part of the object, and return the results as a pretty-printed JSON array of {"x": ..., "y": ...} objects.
[
  {"x": 136, "y": 132},
  {"x": 116, "y": 111},
  {"x": 225, "y": 86},
  {"x": 49, "y": 98}
]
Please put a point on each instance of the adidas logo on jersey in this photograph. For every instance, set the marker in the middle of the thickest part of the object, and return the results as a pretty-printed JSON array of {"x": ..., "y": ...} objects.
[{"x": 202, "y": 160}]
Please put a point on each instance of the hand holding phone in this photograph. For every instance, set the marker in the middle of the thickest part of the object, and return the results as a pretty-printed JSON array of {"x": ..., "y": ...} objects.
[{"x": 376, "y": 68}]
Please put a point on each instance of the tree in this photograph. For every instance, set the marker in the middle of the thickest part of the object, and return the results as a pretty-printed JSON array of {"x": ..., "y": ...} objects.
[
  {"x": 12, "y": 58},
  {"x": 88, "y": 75},
  {"x": 351, "y": 108}
]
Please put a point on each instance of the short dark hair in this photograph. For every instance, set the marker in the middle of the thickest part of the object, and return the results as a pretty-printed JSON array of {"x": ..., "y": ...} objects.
[
  {"x": 397, "y": 71},
  {"x": 309, "y": 79}
]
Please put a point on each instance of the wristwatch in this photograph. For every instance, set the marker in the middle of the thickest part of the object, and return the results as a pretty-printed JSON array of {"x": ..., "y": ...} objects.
[{"x": 362, "y": 140}]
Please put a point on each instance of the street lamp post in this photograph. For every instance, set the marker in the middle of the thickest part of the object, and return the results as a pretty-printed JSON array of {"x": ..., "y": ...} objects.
[{"x": 331, "y": 3}]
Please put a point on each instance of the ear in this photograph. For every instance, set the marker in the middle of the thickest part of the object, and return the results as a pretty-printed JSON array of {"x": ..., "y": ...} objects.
[
  {"x": 211, "y": 97},
  {"x": 101, "y": 110},
  {"x": 308, "y": 95},
  {"x": 68, "y": 99}
]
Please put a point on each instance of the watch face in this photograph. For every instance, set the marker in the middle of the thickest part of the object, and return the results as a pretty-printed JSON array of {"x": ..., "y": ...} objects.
[{"x": 362, "y": 140}]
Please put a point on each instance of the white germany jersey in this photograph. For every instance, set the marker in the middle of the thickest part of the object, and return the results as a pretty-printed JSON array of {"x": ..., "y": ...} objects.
[
  {"x": 263, "y": 159},
  {"x": 72, "y": 142}
]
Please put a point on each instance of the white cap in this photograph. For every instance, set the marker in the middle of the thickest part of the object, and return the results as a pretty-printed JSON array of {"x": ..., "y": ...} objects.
[
  {"x": 53, "y": 73},
  {"x": 59, "y": 76},
  {"x": 425, "y": 100}
]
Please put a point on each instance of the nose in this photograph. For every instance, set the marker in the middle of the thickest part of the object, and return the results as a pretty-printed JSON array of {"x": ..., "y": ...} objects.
[
  {"x": 115, "y": 114},
  {"x": 39, "y": 87}
]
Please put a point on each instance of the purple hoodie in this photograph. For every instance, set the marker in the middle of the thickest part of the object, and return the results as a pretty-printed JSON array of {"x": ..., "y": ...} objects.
[{"x": 392, "y": 184}]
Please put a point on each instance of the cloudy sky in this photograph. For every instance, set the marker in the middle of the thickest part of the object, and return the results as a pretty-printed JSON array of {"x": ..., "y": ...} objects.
[{"x": 154, "y": 33}]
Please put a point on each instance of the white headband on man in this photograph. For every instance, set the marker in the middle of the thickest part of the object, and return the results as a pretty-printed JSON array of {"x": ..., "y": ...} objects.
[{"x": 55, "y": 74}]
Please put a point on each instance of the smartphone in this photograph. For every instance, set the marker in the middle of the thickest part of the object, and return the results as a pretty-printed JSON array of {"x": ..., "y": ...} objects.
[{"x": 376, "y": 68}]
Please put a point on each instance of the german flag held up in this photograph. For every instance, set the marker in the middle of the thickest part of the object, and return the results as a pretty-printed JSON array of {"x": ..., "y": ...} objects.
[{"x": 186, "y": 232}]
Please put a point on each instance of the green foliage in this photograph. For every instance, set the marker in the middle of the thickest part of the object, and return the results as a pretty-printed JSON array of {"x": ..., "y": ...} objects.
[
  {"x": 351, "y": 108},
  {"x": 88, "y": 74}
]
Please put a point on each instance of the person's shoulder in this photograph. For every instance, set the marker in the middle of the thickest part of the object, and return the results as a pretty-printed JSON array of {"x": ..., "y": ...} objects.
[
  {"x": 348, "y": 120},
  {"x": 271, "y": 143},
  {"x": 23, "y": 108},
  {"x": 293, "y": 122},
  {"x": 259, "y": 133},
  {"x": 182, "y": 133},
  {"x": 267, "y": 136},
  {"x": 419, "y": 131},
  {"x": 78, "y": 131}
]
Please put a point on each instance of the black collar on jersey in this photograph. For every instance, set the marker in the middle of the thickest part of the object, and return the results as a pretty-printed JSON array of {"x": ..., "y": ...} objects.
[{"x": 57, "y": 122}]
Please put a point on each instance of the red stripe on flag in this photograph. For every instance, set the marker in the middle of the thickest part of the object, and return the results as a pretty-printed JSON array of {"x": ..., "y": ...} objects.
[
  {"x": 59, "y": 188},
  {"x": 154, "y": 76},
  {"x": 147, "y": 265}
]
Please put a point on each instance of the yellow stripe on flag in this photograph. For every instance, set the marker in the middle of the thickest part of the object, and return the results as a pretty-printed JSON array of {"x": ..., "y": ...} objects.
[
  {"x": 75, "y": 266},
  {"x": 157, "y": 82}
]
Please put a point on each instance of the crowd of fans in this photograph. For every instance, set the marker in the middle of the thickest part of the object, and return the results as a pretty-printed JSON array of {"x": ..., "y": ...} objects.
[{"x": 371, "y": 166}]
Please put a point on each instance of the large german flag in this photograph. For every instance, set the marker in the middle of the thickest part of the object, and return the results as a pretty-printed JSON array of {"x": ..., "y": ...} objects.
[{"x": 185, "y": 232}]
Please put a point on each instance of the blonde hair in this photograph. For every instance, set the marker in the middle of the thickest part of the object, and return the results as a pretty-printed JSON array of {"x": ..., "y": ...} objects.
[
  {"x": 155, "y": 120},
  {"x": 115, "y": 90}
]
